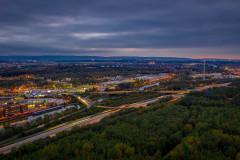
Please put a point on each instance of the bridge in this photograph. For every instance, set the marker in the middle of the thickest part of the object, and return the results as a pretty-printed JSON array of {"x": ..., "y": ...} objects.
[
  {"x": 123, "y": 92},
  {"x": 173, "y": 92},
  {"x": 83, "y": 100}
]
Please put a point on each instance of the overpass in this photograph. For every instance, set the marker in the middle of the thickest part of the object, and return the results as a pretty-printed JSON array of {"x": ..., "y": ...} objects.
[
  {"x": 107, "y": 107},
  {"x": 87, "y": 120},
  {"x": 123, "y": 92},
  {"x": 113, "y": 92},
  {"x": 83, "y": 100},
  {"x": 173, "y": 92}
]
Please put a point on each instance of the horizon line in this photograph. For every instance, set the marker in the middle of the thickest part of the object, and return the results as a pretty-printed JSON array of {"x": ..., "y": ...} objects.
[{"x": 203, "y": 57}]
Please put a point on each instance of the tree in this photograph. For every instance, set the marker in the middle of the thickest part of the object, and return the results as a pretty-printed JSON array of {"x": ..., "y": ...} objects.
[{"x": 87, "y": 147}]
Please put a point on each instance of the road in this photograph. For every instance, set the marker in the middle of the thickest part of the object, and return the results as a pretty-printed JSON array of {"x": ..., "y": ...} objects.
[
  {"x": 144, "y": 102},
  {"x": 93, "y": 118},
  {"x": 166, "y": 91},
  {"x": 177, "y": 95},
  {"x": 87, "y": 120},
  {"x": 52, "y": 131},
  {"x": 149, "y": 101},
  {"x": 122, "y": 92},
  {"x": 83, "y": 100}
]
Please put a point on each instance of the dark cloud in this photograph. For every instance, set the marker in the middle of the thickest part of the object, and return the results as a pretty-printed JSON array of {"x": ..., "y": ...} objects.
[{"x": 127, "y": 27}]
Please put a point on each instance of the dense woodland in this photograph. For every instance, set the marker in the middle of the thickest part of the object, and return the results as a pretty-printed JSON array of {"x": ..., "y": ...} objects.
[{"x": 202, "y": 125}]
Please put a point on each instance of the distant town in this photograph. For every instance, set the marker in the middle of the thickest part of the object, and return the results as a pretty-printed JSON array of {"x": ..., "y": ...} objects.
[
  {"x": 28, "y": 88},
  {"x": 44, "y": 98}
]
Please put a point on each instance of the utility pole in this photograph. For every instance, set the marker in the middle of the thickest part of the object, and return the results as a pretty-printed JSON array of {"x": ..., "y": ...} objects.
[{"x": 204, "y": 70}]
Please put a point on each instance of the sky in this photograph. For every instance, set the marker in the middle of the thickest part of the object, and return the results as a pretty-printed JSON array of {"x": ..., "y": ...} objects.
[{"x": 159, "y": 28}]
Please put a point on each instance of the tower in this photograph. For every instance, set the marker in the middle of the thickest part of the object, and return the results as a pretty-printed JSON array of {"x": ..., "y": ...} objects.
[{"x": 204, "y": 70}]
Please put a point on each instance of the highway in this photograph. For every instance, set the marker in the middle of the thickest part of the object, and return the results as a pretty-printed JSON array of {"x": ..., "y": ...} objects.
[
  {"x": 165, "y": 91},
  {"x": 122, "y": 92},
  {"x": 93, "y": 118},
  {"x": 83, "y": 121},
  {"x": 83, "y": 100},
  {"x": 144, "y": 103},
  {"x": 52, "y": 131},
  {"x": 176, "y": 95}
]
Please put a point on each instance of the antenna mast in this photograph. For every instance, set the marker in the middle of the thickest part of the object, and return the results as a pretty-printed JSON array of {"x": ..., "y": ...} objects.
[{"x": 204, "y": 70}]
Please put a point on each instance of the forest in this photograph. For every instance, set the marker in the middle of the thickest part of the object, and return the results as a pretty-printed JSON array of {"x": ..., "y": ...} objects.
[{"x": 202, "y": 125}]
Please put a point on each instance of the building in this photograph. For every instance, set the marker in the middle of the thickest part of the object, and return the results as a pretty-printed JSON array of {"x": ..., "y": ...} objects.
[
  {"x": 12, "y": 108},
  {"x": 18, "y": 107}
]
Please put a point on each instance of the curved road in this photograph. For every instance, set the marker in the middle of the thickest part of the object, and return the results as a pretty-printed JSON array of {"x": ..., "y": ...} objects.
[
  {"x": 57, "y": 129},
  {"x": 91, "y": 119}
]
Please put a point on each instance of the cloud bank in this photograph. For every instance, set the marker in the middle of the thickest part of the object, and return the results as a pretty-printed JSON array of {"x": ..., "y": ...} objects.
[{"x": 173, "y": 28}]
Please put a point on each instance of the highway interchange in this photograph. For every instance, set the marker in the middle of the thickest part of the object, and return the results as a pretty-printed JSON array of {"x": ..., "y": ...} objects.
[
  {"x": 90, "y": 119},
  {"x": 83, "y": 121}
]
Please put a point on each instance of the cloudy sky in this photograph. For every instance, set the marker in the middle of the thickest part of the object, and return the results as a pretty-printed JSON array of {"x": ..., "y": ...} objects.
[{"x": 169, "y": 28}]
